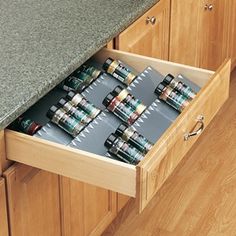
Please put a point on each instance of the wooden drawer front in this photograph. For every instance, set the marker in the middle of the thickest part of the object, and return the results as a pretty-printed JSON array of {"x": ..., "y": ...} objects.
[
  {"x": 170, "y": 150},
  {"x": 73, "y": 163},
  {"x": 145, "y": 179}
]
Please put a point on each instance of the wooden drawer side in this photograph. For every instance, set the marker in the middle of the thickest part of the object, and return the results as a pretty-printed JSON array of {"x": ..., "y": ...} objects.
[{"x": 170, "y": 151}]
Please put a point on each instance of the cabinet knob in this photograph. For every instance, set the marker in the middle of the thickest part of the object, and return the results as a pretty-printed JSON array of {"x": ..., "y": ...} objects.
[
  {"x": 151, "y": 20},
  {"x": 210, "y": 7}
]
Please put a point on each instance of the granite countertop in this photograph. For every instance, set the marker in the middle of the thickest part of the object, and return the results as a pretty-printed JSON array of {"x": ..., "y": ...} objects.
[{"x": 42, "y": 42}]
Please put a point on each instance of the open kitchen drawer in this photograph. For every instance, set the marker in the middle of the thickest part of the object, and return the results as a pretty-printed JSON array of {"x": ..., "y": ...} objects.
[{"x": 144, "y": 180}]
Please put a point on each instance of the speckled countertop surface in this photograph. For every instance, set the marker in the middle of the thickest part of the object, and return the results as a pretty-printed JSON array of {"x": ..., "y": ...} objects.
[{"x": 42, "y": 42}]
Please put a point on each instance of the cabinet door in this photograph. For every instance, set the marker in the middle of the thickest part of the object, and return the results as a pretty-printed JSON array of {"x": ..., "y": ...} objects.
[
  {"x": 33, "y": 200},
  {"x": 3, "y": 210},
  {"x": 149, "y": 35},
  {"x": 184, "y": 31},
  {"x": 213, "y": 33},
  {"x": 198, "y": 35},
  {"x": 87, "y": 210}
]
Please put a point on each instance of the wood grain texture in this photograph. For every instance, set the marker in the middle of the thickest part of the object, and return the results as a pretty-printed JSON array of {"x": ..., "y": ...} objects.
[
  {"x": 86, "y": 209},
  {"x": 70, "y": 162},
  {"x": 145, "y": 38},
  {"x": 122, "y": 200},
  {"x": 199, "y": 198},
  {"x": 213, "y": 36},
  {"x": 33, "y": 201},
  {"x": 169, "y": 150},
  {"x": 4, "y": 163},
  {"x": 231, "y": 27},
  {"x": 198, "y": 35},
  {"x": 184, "y": 32},
  {"x": 3, "y": 209},
  {"x": 110, "y": 45},
  {"x": 199, "y": 76},
  {"x": 157, "y": 165}
]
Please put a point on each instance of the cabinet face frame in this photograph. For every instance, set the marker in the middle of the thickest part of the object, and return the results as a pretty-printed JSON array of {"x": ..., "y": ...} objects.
[
  {"x": 147, "y": 177},
  {"x": 3, "y": 209}
]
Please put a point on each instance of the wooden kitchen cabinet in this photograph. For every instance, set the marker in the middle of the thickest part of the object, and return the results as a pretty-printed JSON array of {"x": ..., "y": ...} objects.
[
  {"x": 212, "y": 33},
  {"x": 145, "y": 179},
  {"x": 3, "y": 210},
  {"x": 231, "y": 46},
  {"x": 86, "y": 209},
  {"x": 149, "y": 35},
  {"x": 33, "y": 201},
  {"x": 198, "y": 35}
]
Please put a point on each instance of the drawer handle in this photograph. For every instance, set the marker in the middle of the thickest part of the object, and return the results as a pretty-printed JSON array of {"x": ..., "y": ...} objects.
[
  {"x": 199, "y": 124},
  {"x": 152, "y": 20}
]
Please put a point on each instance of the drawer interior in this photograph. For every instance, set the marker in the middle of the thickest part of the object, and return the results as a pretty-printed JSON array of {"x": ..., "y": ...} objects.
[
  {"x": 87, "y": 151},
  {"x": 106, "y": 123}
]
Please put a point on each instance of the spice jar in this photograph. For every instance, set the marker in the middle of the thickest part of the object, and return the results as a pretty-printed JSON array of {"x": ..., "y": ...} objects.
[
  {"x": 125, "y": 113},
  {"x": 179, "y": 86},
  {"x": 81, "y": 102},
  {"x": 172, "y": 97},
  {"x": 72, "y": 83},
  {"x": 119, "y": 71},
  {"x": 79, "y": 115},
  {"x": 27, "y": 126},
  {"x": 90, "y": 70},
  {"x": 123, "y": 150},
  {"x": 128, "y": 134},
  {"x": 127, "y": 98},
  {"x": 63, "y": 120}
]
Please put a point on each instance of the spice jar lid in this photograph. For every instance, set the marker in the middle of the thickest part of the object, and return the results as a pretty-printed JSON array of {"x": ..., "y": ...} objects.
[
  {"x": 110, "y": 140},
  {"x": 120, "y": 130},
  {"x": 160, "y": 88},
  {"x": 107, "y": 63},
  {"x": 62, "y": 102},
  {"x": 70, "y": 95},
  {"x": 117, "y": 90},
  {"x": 167, "y": 80},
  {"x": 52, "y": 111},
  {"x": 108, "y": 99}
]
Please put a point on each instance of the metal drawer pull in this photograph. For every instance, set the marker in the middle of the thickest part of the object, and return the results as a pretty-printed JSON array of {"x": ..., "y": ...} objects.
[
  {"x": 152, "y": 20},
  {"x": 200, "y": 121}
]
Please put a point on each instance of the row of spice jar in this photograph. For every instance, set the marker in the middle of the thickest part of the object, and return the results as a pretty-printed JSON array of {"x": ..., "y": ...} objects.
[
  {"x": 171, "y": 90},
  {"x": 73, "y": 113},
  {"x": 124, "y": 105},
  {"x": 127, "y": 145},
  {"x": 174, "y": 92},
  {"x": 80, "y": 79}
]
